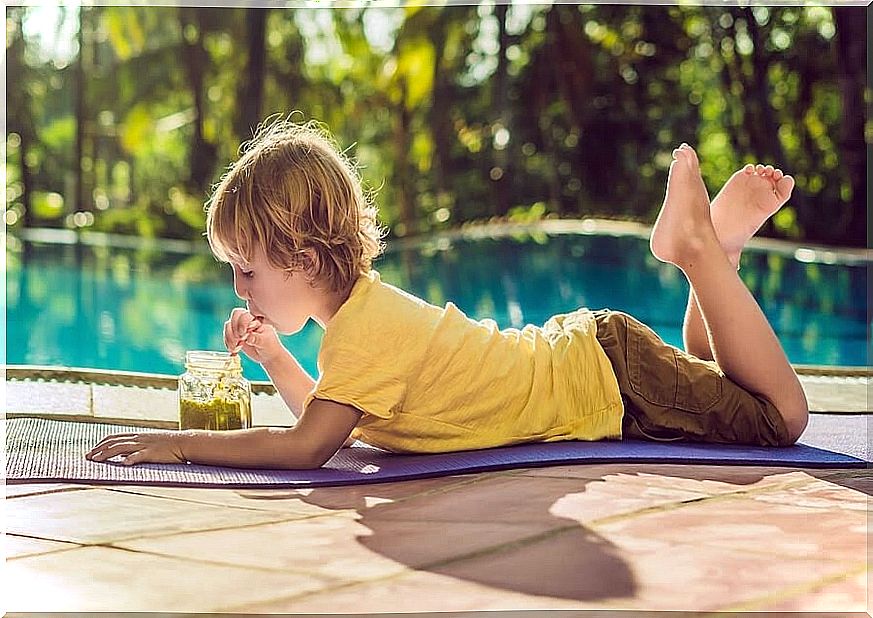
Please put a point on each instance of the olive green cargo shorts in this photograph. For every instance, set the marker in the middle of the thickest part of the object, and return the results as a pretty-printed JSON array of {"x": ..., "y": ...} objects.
[{"x": 671, "y": 395}]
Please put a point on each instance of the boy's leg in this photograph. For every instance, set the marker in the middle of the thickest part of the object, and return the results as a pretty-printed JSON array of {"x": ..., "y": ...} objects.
[
  {"x": 743, "y": 343},
  {"x": 750, "y": 197}
]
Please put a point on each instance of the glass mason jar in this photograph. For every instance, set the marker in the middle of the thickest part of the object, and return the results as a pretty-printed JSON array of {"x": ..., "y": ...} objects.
[{"x": 212, "y": 392}]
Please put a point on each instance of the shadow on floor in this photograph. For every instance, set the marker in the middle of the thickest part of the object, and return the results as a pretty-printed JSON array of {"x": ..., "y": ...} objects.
[
  {"x": 527, "y": 542},
  {"x": 515, "y": 545}
]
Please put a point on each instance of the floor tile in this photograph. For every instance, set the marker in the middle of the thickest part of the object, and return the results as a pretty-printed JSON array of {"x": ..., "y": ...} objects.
[
  {"x": 858, "y": 480},
  {"x": 286, "y": 504},
  {"x": 755, "y": 527},
  {"x": 103, "y": 516},
  {"x": 845, "y": 595},
  {"x": 576, "y": 569},
  {"x": 100, "y": 579},
  {"x": 834, "y": 394},
  {"x": 271, "y": 411},
  {"x": 342, "y": 547},
  {"x": 305, "y": 502},
  {"x": 516, "y": 500},
  {"x": 698, "y": 577},
  {"x": 134, "y": 403},
  {"x": 716, "y": 480},
  {"x": 415, "y": 592},
  {"x": 817, "y": 494},
  {"x": 58, "y": 398},
  {"x": 710, "y": 480},
  {"x": 19, "y": 546},
  {"x": 327, "y": 546},
  {"x": 26, "y": 489}
]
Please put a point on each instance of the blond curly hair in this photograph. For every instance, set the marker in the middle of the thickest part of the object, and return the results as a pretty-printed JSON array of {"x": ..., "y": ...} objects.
[{"x": 294, "y": 194}]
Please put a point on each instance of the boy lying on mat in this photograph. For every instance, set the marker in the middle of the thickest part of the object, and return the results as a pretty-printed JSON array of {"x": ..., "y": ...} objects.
[{"x": 401, "y": 374}]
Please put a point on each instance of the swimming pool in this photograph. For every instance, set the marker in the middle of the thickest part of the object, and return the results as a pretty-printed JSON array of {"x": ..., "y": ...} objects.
[{"x": 140, "y": 310}]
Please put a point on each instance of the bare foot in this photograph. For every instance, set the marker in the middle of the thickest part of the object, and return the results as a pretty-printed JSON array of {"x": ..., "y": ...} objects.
[
  {"x": 750, "y": 197},
  {"x": 684, "y": 228}
]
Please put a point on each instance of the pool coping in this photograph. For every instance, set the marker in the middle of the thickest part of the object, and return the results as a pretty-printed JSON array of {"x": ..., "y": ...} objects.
[
  {"x": 494, "y": 228},
  {"x": 133, "y": 398}
]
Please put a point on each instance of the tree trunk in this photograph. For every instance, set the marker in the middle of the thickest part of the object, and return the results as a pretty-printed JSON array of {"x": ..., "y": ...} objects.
[
  {"x": 440, "y": 118},
  {"x": 402, "y": 169},
  {"x": 572, "y": 57},
  {"x": 19, "y": 117},
  {"x": 500, "y": 176},
  {"x": 81, "y": 111},
  {"x": 767, "y": 144},
  {"x": 851, "y": 42},
  {"x": 203, "y": 153},
  {"x": 252, "y": 82}
]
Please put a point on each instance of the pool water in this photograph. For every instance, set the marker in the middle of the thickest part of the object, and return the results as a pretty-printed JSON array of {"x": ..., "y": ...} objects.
[{"x": 140, "y": 310}]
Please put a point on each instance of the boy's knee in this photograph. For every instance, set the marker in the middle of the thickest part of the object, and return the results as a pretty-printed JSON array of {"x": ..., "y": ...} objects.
[{"x": 796, "y": 418}]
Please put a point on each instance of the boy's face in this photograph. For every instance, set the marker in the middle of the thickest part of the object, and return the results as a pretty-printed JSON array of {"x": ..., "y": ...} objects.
[{"x": 285, "y": 300}]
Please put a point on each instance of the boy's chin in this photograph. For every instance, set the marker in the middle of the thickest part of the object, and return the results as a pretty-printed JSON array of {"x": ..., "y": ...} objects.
[{"x": 292, "y": 329}]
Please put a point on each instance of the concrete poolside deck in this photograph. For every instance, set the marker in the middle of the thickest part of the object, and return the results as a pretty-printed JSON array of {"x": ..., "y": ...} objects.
[{"x": 606, "y": 537}]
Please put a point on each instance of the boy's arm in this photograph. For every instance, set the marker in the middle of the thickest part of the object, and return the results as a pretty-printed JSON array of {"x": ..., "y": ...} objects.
[
  {"x": 293, "y": 383},
  {"x": 319, "y": 433},
  {"x": 290, "y": 379}
]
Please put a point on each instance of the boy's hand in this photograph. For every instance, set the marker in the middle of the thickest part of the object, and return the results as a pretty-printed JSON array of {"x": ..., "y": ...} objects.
[
  {"x": 155, "y": 447},
  {"x": 259, "y": 341}
]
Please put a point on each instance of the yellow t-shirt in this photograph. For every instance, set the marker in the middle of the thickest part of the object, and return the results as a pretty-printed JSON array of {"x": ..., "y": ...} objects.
[{"x": 430, "y": 379}]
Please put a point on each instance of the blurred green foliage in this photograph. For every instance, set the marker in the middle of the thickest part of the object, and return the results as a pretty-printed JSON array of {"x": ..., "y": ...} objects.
[{"x": 454, "y": 113}]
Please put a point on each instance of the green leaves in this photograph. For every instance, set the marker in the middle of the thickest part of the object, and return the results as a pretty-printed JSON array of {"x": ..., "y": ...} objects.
[{"x": 594, "y": 97}]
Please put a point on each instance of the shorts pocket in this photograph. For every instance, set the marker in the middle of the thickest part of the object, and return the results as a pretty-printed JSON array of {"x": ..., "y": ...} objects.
[{"x": 666, "y": 376}]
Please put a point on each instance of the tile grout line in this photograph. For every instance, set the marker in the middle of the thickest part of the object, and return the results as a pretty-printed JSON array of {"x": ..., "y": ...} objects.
[
  {"x": 113, "y": 546},
  {"x": 794, "y": 591},
  {"x": 432, "y": 565},
  {"x": 216, "y": 563},
  {"x": 672, "y": 506},
  {"x": 661, "y": 508},
  {"x": 56, "y": 490},
  {"x": 424, "y": 493},
  {"x": 533, "y": 539},
  {"x": 58, "y": 550},
  {"x": 342, "y": 513},
  {"x": 130, "y": 492}
]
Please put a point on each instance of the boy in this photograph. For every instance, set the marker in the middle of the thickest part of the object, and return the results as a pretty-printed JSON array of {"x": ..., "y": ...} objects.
[{"x": 292, "y": 220}]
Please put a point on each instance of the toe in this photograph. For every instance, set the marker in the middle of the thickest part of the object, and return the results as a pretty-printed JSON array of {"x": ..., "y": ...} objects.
[
  {"x": 759, "y": 169},
  {"x": 749, "y": 169},
  {"x": 768, "y": 170},
  {"x": 692, "y": 154},
  {"x": 784, "y": 187},
  {"x": 777, "y": 174}
]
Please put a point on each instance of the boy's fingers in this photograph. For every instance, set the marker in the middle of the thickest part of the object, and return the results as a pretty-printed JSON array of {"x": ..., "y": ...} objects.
[
  {"x": 110, "y": 440},
  {"x": 134, "y": 458},
  {"x": 119, "y": 448},
  {"x": 241, "y": 322},
  {"x": 229, "y": 339}
]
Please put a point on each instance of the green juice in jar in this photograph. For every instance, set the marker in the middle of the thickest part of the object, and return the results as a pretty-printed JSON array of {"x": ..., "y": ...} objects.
[
  {"x": 212, "y": 392},
  {"x": 215, "y": 414}
]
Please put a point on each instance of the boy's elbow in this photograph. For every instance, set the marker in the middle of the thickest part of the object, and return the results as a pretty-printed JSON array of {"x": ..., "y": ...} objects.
[
  {"x": 308, "y": 459},
  {"x": 321, "y": 456}
]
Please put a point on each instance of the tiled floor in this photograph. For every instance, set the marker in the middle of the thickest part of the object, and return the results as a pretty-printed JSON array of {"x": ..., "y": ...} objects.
[{"x": 618, "y": 536}]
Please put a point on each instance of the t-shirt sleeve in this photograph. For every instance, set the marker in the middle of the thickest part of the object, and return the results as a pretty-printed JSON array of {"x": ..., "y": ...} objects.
[{"x": 365, "y": 374}]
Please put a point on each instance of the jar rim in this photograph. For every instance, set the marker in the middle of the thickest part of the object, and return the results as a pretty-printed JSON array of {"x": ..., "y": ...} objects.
[{"x": 212, "y": 360}]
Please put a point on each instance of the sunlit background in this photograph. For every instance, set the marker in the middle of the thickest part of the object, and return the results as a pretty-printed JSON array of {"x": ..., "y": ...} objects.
[{"x": 120, "y": 119}]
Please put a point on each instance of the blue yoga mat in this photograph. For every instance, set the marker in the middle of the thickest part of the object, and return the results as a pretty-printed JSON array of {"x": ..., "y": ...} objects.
[{"x": 40, "y": 450}]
